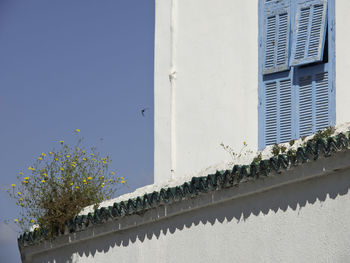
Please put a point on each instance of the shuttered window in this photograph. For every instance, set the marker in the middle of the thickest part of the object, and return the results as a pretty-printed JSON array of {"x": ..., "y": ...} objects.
[
  {"x": 310, "y": 32},
  {"x": 296, "y": 95},
  {"x": 276, "y": 36}
]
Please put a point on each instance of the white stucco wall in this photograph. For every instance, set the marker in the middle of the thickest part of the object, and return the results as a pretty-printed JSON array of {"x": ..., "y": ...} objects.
[
  {"x": 213, "y": 55},
  {"x": 342, "y": 40},
  {"x": 298, "y": 216}
]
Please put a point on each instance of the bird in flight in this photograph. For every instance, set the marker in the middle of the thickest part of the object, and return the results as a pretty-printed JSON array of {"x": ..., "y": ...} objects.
[{"x": 143, "y": 111}]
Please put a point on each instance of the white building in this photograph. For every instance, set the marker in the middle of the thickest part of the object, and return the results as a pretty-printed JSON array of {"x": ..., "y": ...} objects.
[
  {"x": 259, "y": 71},
  {"x": 211, "y": 74}
]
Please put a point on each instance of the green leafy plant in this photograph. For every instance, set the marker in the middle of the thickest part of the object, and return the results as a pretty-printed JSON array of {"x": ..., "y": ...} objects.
[
  {"x": 257, "y": 158},
  {"x": 277, "y": 149},
  {"x": 291, "y": 142},
  {"x": 60, "y": 184},
  {"x": 324, "y": 133}
]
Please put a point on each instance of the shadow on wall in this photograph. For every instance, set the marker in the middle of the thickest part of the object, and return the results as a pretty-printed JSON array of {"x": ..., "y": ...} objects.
[{"x": 295, "y": 197}]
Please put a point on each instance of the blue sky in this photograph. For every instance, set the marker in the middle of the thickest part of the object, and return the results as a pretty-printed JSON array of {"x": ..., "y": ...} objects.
[{"x": 65, "y": 65}]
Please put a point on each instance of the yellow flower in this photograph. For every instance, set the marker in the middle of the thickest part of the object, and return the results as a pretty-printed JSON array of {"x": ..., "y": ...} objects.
[
  {"x": 40, "y": 158},
  {"x": 77, "y": 130},
  {"x": 56, "y": 159},
  {"x": 44, "y": 174},
  {"x": 121, "y": 177},
  {"x": 26, "y": 178},
  {"x": 25, "y": 182},
  {"x": 104, "y": 162},
  {"x": 50, "y": 152},
  {"x": 16, "y": 220},
  {"x": 84, "y": 159},
  {"x": 21, "y": 199},
  {"x": 92, "y": 154},
  {"x": 20, "y": 173},
  {"x": 102, "y": 177},
  {"x": 13, "y": 185},
  {"x": 110, "y": 180},
  {"x": 245, "y": 143},
  {"x": 77, "y": 187},
  {"x": 94, "y": 160},
  {"x": 32, "y": 221},
  {"x": 123, "y": 182},
  {"x": 71, "y": 183},
  {"x": 84, "y": 181},
  {"x": 19, "y": 193},
  {"x": 62, "y": 169},
  {"x": 89, "y": 178},
  {"x": 102, "y": 186},
  {"x": 31, "y": 168},
  {"x": 74, "y": 165},
  {"x": 61, "y": 142},
  {"x": 113, "y": 173},
  {"x": 43, "y": 181},
  {"x": 83, "y": 151},
  {"x": 68, "y": 156},
  {"x": 43, "y": 154}
]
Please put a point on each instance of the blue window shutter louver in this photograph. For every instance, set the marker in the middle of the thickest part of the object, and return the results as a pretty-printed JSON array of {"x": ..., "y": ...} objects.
[
  {"x": 309, "y": 32},
  {"x": 305, "y": 106},
  {"x": 322, "y": 101},
  {"x": 313, "y": 100},
  {"x": 271, "y": 126},
  {"x": 285, "y": 100},
  {"x": 278, "y": 111},
  {"x": 276, "y": 36}
]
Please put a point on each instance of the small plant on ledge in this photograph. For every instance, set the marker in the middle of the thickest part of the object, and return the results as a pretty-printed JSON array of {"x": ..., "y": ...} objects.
[{"x": 60, "y": 184}]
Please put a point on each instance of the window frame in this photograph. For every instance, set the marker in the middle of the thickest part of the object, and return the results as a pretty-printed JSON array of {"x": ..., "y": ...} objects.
[{"x": 293, "y": 70}]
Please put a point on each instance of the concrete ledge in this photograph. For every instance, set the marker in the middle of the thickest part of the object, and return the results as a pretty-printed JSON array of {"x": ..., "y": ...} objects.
[{"x": 339, "y": 161}]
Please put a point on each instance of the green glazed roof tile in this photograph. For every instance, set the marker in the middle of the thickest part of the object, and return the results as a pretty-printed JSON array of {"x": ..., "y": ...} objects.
[{"x": 212, "y": 182}]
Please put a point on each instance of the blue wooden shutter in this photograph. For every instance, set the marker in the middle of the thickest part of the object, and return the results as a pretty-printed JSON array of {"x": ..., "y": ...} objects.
[
  {"x": 271, "y": 114},
  {"x": 309, "y": 32},
  {"x": 322, "y": 101},
  {"x": 276, "y": 35},
  {"x": 278, "y": 111},
  {"x": 313, "y": 99},
  {"x": 305, "y": 106},
  {"x": 285, "y": 100}
]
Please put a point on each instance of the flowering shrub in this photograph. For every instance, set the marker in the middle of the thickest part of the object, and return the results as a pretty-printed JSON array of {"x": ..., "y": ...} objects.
[{"x": 60, "y": 183}]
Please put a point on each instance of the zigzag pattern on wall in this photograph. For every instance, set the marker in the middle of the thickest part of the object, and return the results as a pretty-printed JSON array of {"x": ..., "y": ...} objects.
[{"x": 213, "y": 182}]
